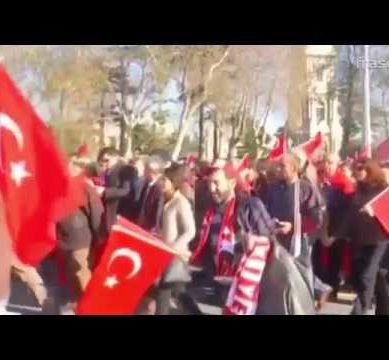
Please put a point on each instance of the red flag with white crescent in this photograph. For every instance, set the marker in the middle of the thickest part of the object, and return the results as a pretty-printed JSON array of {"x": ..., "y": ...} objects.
[
  {"x": 34, "y": 175},
  {"x": 311, "y": 146},
  {"x": 380, "y": 209},
  {"x": 280, "y": 149},
  {"x": 132, "y": 262}
]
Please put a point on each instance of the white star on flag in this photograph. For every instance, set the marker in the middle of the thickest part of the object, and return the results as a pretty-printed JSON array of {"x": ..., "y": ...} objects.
[
  {"x": 19, "y": 172},
  {"x": 111, "y": 282}
]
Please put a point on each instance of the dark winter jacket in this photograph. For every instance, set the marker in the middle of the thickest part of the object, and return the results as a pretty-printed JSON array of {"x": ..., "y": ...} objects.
[
  {"x": 80, "y": 229},
  {"x": 358, "y": 226},
  {"x": 118, "y": 186}
]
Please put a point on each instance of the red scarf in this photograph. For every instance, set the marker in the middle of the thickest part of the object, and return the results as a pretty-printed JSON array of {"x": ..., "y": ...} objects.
[
  {"x": 226, "y": 239},
  {"x": 245, "y": 290}
]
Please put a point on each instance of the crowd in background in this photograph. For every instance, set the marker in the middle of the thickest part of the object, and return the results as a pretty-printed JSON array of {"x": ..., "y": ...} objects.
[{"x": 203, "y": 210}]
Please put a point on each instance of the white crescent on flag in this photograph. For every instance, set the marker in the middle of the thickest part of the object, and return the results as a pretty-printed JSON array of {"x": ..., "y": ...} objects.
[
  {"x": 7, "y": 123},
  {"x": 131, "y": 255}
]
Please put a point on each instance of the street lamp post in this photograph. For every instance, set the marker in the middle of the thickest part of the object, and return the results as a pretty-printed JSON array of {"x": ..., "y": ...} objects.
[{"x": 367, "y": 125}]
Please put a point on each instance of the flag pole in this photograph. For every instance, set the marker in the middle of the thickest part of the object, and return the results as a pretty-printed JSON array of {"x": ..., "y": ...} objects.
[{"x": 367, "y": 124}]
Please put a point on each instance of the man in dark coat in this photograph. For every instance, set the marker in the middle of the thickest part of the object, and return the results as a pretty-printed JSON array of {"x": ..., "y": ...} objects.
[
  {"x": 130, "y": 205},
  {"x": 152, "y": 198},
  {"x": 280, "y": 200},
  {"x": 117, "y": 184}
]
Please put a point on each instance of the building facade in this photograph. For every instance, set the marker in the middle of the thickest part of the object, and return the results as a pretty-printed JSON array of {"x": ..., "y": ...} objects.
[{"x": 323, "y": 106}]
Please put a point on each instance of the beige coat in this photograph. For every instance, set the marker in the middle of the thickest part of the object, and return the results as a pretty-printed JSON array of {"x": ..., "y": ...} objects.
[
  {"x": 178, "y": 230},
  {"x": 178, "y": 227}
]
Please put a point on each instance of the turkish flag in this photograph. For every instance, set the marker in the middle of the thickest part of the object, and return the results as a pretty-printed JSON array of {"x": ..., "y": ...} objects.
[
  {"x": 280, "y": 149},
  {"x": 380, "y": 207},
  {"x": 245, "y": 163},
  {"x": 382, "y": 151},
  {"x": 33, "y": 175},
  {"x": 312, "y": 145},
  {"x": 132, "y": 262}
]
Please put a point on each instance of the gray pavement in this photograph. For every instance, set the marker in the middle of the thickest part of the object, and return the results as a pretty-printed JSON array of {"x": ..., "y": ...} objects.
[{"x": 22, "y": 302}]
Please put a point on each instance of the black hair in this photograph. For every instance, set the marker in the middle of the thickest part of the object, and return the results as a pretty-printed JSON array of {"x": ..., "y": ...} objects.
[
  {"x": 176, "y": 173},
  {"x": 111, "y": 151}
]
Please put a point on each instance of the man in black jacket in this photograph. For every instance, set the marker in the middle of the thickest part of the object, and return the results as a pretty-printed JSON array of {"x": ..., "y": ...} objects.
[
  {"x": 130, "y": 205},
  {"x": 117, "y": 184},
  {"x": 152, "y": 198}
]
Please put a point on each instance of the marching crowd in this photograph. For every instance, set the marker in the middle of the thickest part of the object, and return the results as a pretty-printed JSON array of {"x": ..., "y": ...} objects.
[{"x": 312, "y": 211}]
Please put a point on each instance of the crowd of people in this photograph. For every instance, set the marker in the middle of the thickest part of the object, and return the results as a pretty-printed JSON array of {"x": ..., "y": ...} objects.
[{"x": 313, "y": 211}]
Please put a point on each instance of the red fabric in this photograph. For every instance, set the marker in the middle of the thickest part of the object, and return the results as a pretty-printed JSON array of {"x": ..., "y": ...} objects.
[
  {"x": 245, "y": 164},
  {"x": 311, "y": 146},
  {"x": 83, "y": 150},
  {"x": 382, "y": 152},
  {"x": 381, "y": 209},
  {"x": 132, "y": 261},
  {"x": 26, "y": 142},
  {"x": 225, "y": 241},
  {"x": 280, "y": 149},
  {"x": 324, "y": 256},
  {"x": 308, "y": 226},
  {"x": 62, "y": 279},
  {"x": 346, "y": 260},
  {"x": 191, "y": 161},
  {"x": 340, "y": 181}
]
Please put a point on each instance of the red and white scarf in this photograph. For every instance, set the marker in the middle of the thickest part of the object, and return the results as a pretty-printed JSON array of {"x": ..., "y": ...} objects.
[
  {"x": 226, "y": 239},
  {"x": 246, "y": 287}
]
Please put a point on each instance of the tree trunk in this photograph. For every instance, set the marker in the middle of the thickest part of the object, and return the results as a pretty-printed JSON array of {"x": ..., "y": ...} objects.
[
  {"x": 201, "y": 132},
  {"x": 186, "y": 116},
  {"x": 101, "y": 133},
  {"x": 347, "y": 121},
  {"x": 62, "y": 99},
  {"x": 129, "y": 153},
  {"x": 185, "y": 102},
  {"x": 215, "y": 138},
  {"x": 123, "y": 137},
  {"x": 385, "y": 115},
  {"x": 102, "y": 121}
]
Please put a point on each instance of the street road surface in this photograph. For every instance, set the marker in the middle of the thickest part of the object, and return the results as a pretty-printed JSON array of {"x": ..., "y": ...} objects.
[{"x": 22, "y": 302}]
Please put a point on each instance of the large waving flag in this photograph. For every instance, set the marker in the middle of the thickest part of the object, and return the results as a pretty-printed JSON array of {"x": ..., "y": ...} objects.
[
  {"x": 311, "y": 146},
  {"x": 34, "y": 177},
  {"x": 132, "y": 262},
  {"x": 280, "y": 149},
  {"x": 380, "y": 208}
]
